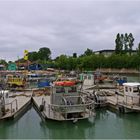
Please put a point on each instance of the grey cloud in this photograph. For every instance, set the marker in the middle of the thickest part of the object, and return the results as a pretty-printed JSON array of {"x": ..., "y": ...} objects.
[{"x": 65, "y": 26}]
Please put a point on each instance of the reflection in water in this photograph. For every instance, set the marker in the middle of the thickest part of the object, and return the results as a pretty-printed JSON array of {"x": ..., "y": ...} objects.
[
  {"x": 10, "y": 128},
  {"x": 107, "y": 125},
  {"x": 32, "y": 126},
  {"x": 66, "y": 130},
  {"x": 131, "y": 125},
  {"x": 116, "y": 125}
]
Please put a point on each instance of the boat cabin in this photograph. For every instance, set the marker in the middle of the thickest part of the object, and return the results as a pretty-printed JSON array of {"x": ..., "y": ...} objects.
[
  {"x": 60, "y": 93},
  {"x": 132, "y": 93},
  {"x": 87, "y": 78},
  {"x": 69, "y": 103}
]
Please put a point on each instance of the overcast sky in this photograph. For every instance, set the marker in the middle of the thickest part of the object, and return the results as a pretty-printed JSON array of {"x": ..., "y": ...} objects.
[{"x": 65, "y": 26}]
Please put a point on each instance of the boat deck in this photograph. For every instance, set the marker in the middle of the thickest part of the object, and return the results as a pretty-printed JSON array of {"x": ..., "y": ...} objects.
[
  {"x": 14, "y": 105},
  {"x": 51, "y": 112},
  {"x": 48, "y": 112},
  {"x": 119, "y": 101}
]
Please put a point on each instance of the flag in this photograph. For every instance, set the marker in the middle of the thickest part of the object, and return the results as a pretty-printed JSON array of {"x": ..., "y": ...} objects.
[
  {"x": 25, "y": 51},
  {"x": 25, "y": 54}
]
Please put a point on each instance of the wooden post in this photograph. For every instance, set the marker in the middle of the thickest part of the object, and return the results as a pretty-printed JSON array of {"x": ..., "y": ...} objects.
[
  {"x": 16, "y": 105},
  {"x": 139, "y": 99},
  {"x": 49, "y": 110},
  {"x": 126, "y": 99},
  {"x": 11, "y": 108},
  {"x": 117, "y": 98},
  {"x": 132, "y": 101}
]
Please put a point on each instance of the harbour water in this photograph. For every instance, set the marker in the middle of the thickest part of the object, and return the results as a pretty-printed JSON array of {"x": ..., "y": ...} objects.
[{"x": 107, "y": 125}]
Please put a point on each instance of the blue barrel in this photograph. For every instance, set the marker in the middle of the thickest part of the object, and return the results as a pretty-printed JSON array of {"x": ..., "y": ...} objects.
[{"x": 43, "y": 84}]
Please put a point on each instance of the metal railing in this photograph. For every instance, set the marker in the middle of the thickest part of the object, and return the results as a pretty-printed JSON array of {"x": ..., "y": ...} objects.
[
  {"x": 57, "y": 110},
  {"x": 12, "y": 106},
  {"x": 128, "y": 100}
]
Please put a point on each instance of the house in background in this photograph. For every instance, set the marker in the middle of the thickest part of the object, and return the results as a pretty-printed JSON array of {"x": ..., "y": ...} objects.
[
  {"x": 12, "y": 66},
  {"x": 108, "y": 53}
]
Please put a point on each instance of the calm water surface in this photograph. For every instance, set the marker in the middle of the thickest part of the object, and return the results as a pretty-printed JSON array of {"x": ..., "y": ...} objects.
[{"x": 107, "y": 125}]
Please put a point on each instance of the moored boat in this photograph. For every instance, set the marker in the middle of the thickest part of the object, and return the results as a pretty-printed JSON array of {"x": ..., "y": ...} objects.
[
  {"x": 127, "y": 100},
  {"x": 65, "y": 103}
]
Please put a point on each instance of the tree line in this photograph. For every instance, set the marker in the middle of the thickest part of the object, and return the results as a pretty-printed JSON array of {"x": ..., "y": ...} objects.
[
  {"x": 92, "y": 62},
  {"x": 121, "y": 58}
]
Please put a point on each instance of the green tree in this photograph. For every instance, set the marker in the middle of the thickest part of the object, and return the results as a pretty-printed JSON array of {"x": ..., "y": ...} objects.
[
  {"x": 62, "y": 62},
  {"x": 124, "y": 43},
  {"x": 130, "y": 42},
  {"x": 33, "y": 56},
  {"x": 138, "y": 49},
  {"x": 119, "y": 44},
  {"x": 72, "y": 63},
  {"x": 3, "y": 62},
  {"x": 88, "y": 52},
  {"x": 44, "y": 54}
]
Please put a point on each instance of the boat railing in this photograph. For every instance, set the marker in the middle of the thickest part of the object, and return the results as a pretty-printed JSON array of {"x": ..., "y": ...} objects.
[
  {"x": 11, "y": 107},
  {"x": 129, "y": 100},
  {"x": 65, "y": 101},
  {"x": 85, "y": 109}
]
